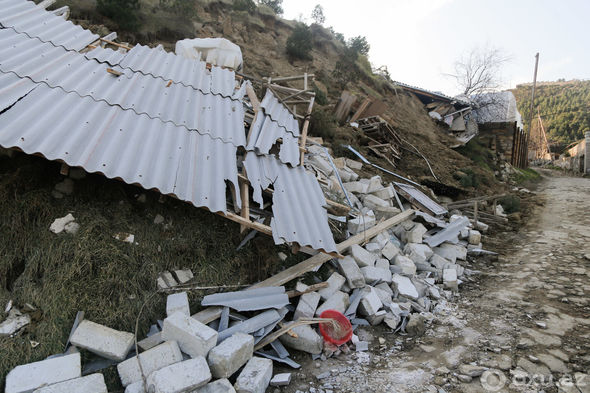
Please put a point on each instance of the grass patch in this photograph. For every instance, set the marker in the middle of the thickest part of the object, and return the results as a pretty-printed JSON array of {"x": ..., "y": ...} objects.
[
  {"x": 479, "y": 154},
  {"x": 510, "y": 204},
  {"x": 526, "y": 175},
  {"x": 91, "y": 271}
]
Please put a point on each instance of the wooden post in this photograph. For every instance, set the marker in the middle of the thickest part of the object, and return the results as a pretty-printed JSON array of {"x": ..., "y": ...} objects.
[
  {"x": 475, "y": 212},
  {"x": 245, "y": 196},
  {"x": 304, "y": 131},
  {"x": 305, "y": 81}
]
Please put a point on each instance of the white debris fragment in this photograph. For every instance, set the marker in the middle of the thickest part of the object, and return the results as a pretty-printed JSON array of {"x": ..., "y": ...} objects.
[
  {"x": 59, "y": 224},
  {"x": 15, "y": 321}
]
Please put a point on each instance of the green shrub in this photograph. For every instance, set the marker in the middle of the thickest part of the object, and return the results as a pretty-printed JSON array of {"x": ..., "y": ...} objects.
[
  {"x": 122, "y": 12},
  {"x": 510, "y": 204},
  {"x": 299, "y": 43},
  {"x": 244, "y": 5},
  {"x": 275, "y": 5},
  {"x": 469, "y": 179},
  {"x": 322, "y": 124},
  {"x": 320, "y": 96}
]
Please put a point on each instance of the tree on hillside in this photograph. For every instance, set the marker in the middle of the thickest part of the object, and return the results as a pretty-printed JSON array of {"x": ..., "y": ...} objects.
[
  {"x": 318, "y": 15},
  {"x": 275, "y": 5},
  {"x": 479, "y": 71},
  {"x": 122, "y": 12},
  {"x": 360, "y": 45},
  {"x": 299, "y": 43},
  {"x": 347, "y": 69}
]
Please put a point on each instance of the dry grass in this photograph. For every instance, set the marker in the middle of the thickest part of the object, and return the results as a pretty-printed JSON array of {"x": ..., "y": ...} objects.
[{"x": 91, "y": 271}]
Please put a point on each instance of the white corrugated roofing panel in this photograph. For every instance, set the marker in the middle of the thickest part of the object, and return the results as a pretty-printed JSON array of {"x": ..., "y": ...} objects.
[
  {"x": 105, "y": 55},
  {"x": 25, "y": 17},
  {"x": 265, "y": 133},
  {"x": 279, "y": 113},
  {"x": 12, "y": 88},
  {"x": 210, "y": 114},
  {"x": 122, "y": 144},
  {"x": 298, "y": 202},
  {"x": 497, "y": 107}
]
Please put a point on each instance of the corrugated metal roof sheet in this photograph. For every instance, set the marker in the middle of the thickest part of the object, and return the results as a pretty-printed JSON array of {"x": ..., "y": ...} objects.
[
  {"x": 41, "y": 62},
  {"x": 25, "y": 17},
  {"x": 439, "y": 95},
  {"x": 279, "y": 113},
  {"x": 417, "y": 197},
  {"x": 12, "y": 88},
  {"x": 298, "y": 202},
  {"x": 497, "y": 107},
  {"x": 264, "y": 134},
  {"x": 169, "y": 66},
  {"x": 122, "y": 144}
]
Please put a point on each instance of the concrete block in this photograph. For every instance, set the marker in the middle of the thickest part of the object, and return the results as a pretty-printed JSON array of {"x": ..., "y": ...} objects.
[
  {"x": 103, "y": 341},
  {"x": 307, "y": 305},
  {"x": 474, "y": 237},
  {"x": 439, "y": 262},
  {"x": 335, "y": 282},
  {"x": 385, "y": 193},
  {"x": 93, "y": 383},
  {"x": 361, "y": 223},
  {"x": 403, "y": 285},
  {"x": 373, "y": 248},
  {"x": 184, "y": 276},
  {"x": 180, "y": 377},
  {"x": 370, "y": 303},
  {"x": 374, "y": 274},
  {"x": 356, "y": 187},
  {"x": 352, "y": 272},
  {"x": 282, "y": 379},
  {"x": 415, "y": 234},
  {"x": 60, "y": 223},
  {"x": 450, "y": 278},
  {"x": 376, "y": 318},
  {"x": 220, "y": 386},
  {"x": 177, "y": 302},
  {"x": 382, "y": 263},
  {"x": 361, "y": 256},
  {"x": 28, "y": 377},
  {"x": 339, "y": 301},
  {"x": 151, "y": 341},
  {"x": 322, "y": 164},
  {"x": 392, "y": 320},
  {"x": 406, "y": 264},
  {"x": 226, "y": 358},
  {"x": 307, "y": 340},
  {"x": 372, "y": 202},
  {"x": 384, "y": 295},
  {"x": 381, "y": 238},
  {"x": 356, "y": 165},
  {"x": 374, "y": 184},
  {"x": 421, "y": 249},
  {"x": 255, "y": 377},
  {"x": 390, "y": 250},
  {"x": 452, "y": 252},
  {"x": 193, "y": 337},
  {"x": 151, "y": 360}
]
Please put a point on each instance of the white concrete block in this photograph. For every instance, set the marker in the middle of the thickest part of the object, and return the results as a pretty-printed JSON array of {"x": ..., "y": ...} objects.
[
  {"x": 151, "y": 341},
  {"x": 403, "y": 285},
  {"x": 439, "y": 262},
  {"x": 374, "y": 184},
  {"x": 474, "y": 237},
  {"x": 421, "y": 249},
  {"x": 370, "y": 303},
  {"x": 373, "y": 202},
  {"x": 255, "y": 377},
  {"x": 103, "y": 341},
  {"x": 390, "y": 250},
  {"x": 307, "y": 305},
  {"x": 352, "y": 272},
  {"x": 415, "y": 234},
  {"x": 356, "y": 187},
  {"x": 184, "y": 276},
  {"x": 385, "y": 193},
  {"x": 220, "y": 386},
  {"x": 384, "y": 295},
  {"x": 373, "y": 248},
  {"x": 361, "y": 223},
  {"x": 374, "y": 274},
  {"x": 452, "y": 252},
  {"x": 193, "y": 337},
  {"x": 226, "y": 358},
  {"x": 282, "y": 379},
  {"x": 339, "y": 301},
  {"x": 406, "y": 264},
  {"x": 376, "y": 318},
  {"x": 356, "y": 165},
  {"x": 151, "y": 360},
  {"x": 93, "y": 383},
  {"x": 322, "y": 164},
  {"x": 60, "y": 223},
  {"x": 180, "y": 377},
  {"x": 450, "y": 278},
  {"x": 382, "y": 263},
  {"x": 361, "y": 256},
  {"x": 335, "y": 282},
  {"x": 177, "y": 302},
  {"x": 307, "y": 340},
  {"x": 28, "y": 377}
]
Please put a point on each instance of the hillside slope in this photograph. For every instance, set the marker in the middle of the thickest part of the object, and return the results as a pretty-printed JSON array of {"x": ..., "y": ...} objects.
[{"x": 563, "y": 106}]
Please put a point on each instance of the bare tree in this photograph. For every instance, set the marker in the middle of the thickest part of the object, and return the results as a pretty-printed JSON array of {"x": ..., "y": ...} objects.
[{"x": 318, "y": 15}]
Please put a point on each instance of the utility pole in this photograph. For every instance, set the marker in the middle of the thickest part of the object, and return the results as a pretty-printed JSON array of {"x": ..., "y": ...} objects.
[{"x": 531, "y": 109}]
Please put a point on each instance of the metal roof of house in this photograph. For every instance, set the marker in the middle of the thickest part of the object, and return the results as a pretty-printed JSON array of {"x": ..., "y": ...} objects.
[
  {"x": 279, "y": 113},
  {"x": 497, "y": 107},
  {"x": 26, "y": 17},
  {"x": 299, "y": 213},
  {"x": 434, "y": 95},
  {"x": 121, "y": 144},
  {"x": 217, "y": 116},
  {"x": 12, "y": 88},
  {"x": 170, "y": 67}
]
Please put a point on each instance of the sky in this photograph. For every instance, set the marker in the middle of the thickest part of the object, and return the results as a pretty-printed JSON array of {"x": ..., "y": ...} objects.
[{"x": 420, "y": 40}]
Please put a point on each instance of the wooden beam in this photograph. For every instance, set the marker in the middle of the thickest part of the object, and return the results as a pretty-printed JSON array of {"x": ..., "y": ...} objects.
[
  {"x": 365, "y": 104},
  {"x": 245, "y": 196},
  {"x": 250, "y": 224},
  {"x": 311, "y": 288},
  {"x": 290, "y": 78},
  {"x": 252, "y": 96},
  {"x": 304, "y": 130},
  {"x": 115, "y": 43},
  {"x": 319, "y": 259}
]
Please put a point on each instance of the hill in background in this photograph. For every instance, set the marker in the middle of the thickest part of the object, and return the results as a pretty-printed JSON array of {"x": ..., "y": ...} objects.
[{"x": 564, "y": 107}]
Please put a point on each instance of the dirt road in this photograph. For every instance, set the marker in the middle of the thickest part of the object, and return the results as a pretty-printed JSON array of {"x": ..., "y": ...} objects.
[{"x": 525, "y": 318}]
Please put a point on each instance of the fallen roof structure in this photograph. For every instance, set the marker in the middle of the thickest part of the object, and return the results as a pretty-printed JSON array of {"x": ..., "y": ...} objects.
[{"x": 154, "y": 119}]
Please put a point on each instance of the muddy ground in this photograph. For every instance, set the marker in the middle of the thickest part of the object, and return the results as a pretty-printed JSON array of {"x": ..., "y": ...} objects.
[{"x": 525, "y": 317}]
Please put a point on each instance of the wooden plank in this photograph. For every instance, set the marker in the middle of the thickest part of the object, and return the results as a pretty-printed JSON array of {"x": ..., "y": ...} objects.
[
  {"x": 311, "y": 288},
  {"x": 252, "y": 96},
  {"x": 115, "y": 43},
  {"x": 360, "y": 110},
  {"x": 319, "y": 259},
  {"x": 250, "y": 224},
  {"x": 304, "y": 130},
  {"x": 208, "y": 314},
  {"x": 245, "y": 196},
  {"x": 290, "y": 78}
]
